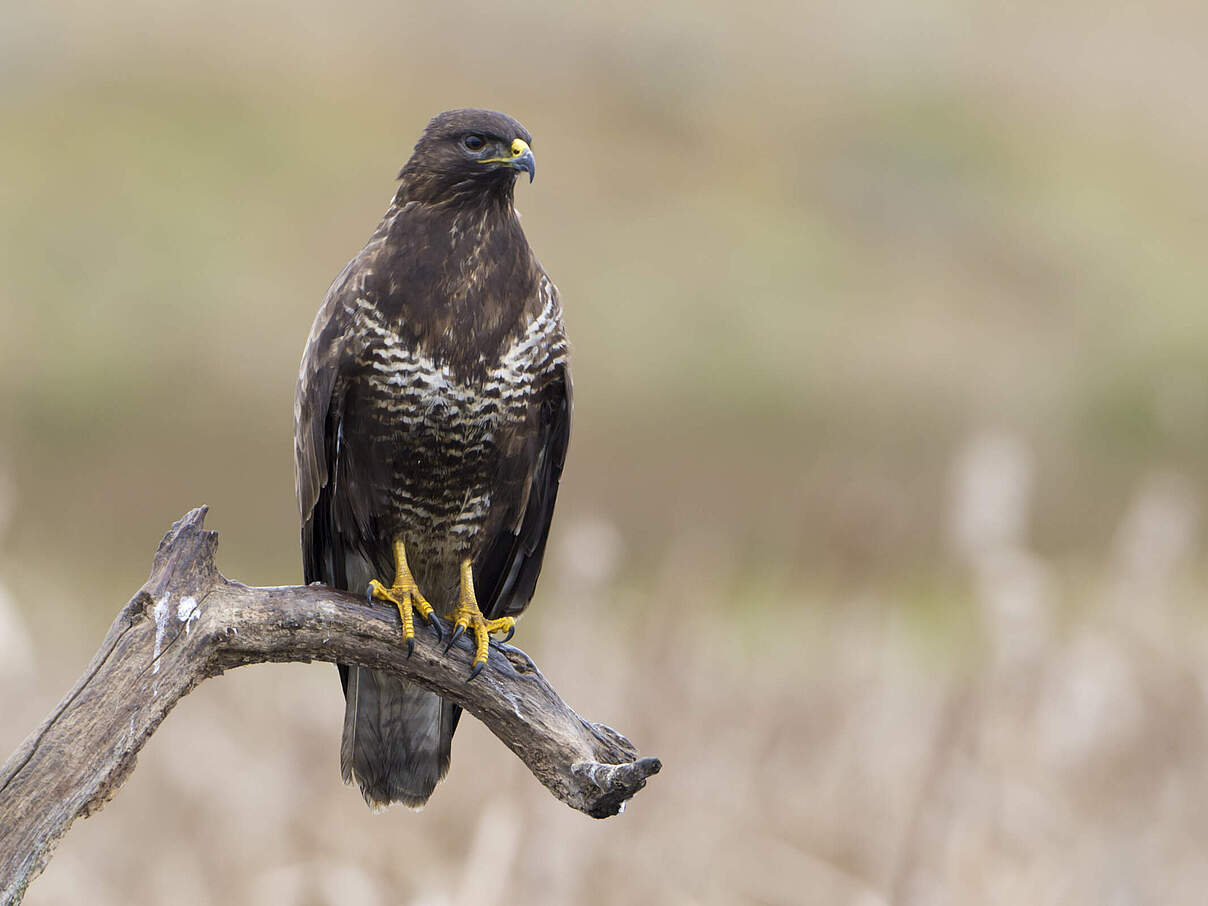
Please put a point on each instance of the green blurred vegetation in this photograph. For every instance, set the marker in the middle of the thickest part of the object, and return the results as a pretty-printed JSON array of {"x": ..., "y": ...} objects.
[
  {"x": 806, "y": 252},
  {"x": 784, "y": 273}
]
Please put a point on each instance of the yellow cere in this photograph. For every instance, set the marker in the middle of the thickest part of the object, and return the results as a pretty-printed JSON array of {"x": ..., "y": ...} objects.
[{"x": 519, "y": 146}]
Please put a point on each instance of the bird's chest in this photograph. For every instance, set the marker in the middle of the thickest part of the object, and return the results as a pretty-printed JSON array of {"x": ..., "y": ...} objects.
[
  {"x": 423, "y": 410},
  {"x": 441, "y": 443},
  {"x": 441, "y": 434}
]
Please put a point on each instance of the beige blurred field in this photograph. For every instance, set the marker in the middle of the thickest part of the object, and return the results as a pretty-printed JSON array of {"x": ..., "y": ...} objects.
[{"x": 882, "y": 523}]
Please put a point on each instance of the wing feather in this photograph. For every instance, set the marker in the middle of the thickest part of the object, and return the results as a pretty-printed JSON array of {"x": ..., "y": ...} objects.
[{"x": 511, "y": 562}]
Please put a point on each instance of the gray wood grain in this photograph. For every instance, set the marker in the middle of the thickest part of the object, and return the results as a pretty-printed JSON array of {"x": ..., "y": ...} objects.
[{"x": 188, "y": 623}]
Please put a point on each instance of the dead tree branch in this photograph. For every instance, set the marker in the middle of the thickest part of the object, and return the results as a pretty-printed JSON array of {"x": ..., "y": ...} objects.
[{"x": 188, "y": 623}]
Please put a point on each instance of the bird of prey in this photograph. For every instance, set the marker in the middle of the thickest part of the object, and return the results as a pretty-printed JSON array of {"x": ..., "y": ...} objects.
[{"x": 431, "y": 423}]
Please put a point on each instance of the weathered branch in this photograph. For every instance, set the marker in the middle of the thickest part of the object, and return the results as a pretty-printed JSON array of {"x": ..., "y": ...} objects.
[{"x": 188, "y": 623}]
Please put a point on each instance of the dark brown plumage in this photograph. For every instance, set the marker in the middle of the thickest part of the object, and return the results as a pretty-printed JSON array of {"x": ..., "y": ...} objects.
[{"x": 433, "y": 407}]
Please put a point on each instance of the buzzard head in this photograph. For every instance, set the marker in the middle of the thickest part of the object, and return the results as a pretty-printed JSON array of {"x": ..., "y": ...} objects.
[{"x": 467, "y": 156}]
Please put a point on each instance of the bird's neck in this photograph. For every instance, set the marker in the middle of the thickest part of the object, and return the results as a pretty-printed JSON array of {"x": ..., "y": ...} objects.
[
  {"x": 435, "y": 190},
  {"x": 461, "y": 280}
]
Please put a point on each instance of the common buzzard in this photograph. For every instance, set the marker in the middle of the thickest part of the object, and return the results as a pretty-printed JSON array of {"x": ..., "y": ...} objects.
[{"x": 430, "y": 428}]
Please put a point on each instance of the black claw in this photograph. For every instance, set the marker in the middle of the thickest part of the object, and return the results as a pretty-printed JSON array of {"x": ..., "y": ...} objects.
[
  {"x": 410, "y": 647},
  {"x": 369, "y": 596},
  {"x": 511, "y": 632},
  {"x": 477, "y": 669},
  {"x": 457, "y": 633},
  {"x": 434, "y": 622}
]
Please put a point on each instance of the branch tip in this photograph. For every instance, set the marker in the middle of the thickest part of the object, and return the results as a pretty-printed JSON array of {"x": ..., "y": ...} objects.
[
  {"x": 79, "y": 757},
  {"x": 185, "y": 556},
  {"x": 617, "y": 783}
]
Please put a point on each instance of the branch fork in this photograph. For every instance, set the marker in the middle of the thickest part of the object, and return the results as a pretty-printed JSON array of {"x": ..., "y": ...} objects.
[{"x": 188, "y": 623}]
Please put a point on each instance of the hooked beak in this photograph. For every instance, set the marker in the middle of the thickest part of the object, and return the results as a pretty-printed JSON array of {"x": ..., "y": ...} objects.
[{"x": 520, "y": 158}]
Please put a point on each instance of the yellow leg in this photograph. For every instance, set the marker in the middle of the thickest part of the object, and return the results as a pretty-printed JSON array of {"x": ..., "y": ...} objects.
[
  {"x": 467, "y": 616},
  {"x": 405, "y": 595}
]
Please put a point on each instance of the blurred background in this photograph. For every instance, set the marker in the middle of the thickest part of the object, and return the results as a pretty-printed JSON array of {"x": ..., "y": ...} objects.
[{"x": 884, "y": 500}]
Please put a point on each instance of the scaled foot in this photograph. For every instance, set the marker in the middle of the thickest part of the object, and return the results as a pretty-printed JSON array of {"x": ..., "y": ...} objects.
[
  {"x": 405, "y": 595},
  {"x": 467, "y": 616}
]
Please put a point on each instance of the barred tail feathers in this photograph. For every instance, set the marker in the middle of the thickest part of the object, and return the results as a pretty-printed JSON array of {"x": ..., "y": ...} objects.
[{"x": 397, "y": 738}]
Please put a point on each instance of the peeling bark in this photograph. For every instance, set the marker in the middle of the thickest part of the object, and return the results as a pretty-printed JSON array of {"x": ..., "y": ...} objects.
[{"x": 188, "y": 623}]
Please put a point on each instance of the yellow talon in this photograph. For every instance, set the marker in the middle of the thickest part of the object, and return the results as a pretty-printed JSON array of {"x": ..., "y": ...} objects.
[
  {"x": 469, "y": 617},
  {"x": 405, "y": 595}
]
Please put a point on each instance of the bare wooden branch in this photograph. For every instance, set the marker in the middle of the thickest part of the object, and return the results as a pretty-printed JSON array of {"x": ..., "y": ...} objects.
[{"x": 188, "y": 623}]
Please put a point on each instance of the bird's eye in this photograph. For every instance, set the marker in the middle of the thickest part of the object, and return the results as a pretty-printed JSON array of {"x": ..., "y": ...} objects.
[{"x": 474, "y": 142}]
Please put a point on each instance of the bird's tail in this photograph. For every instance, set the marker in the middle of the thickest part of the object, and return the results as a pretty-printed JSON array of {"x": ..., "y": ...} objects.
[{"x": 397, "y": 738}]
